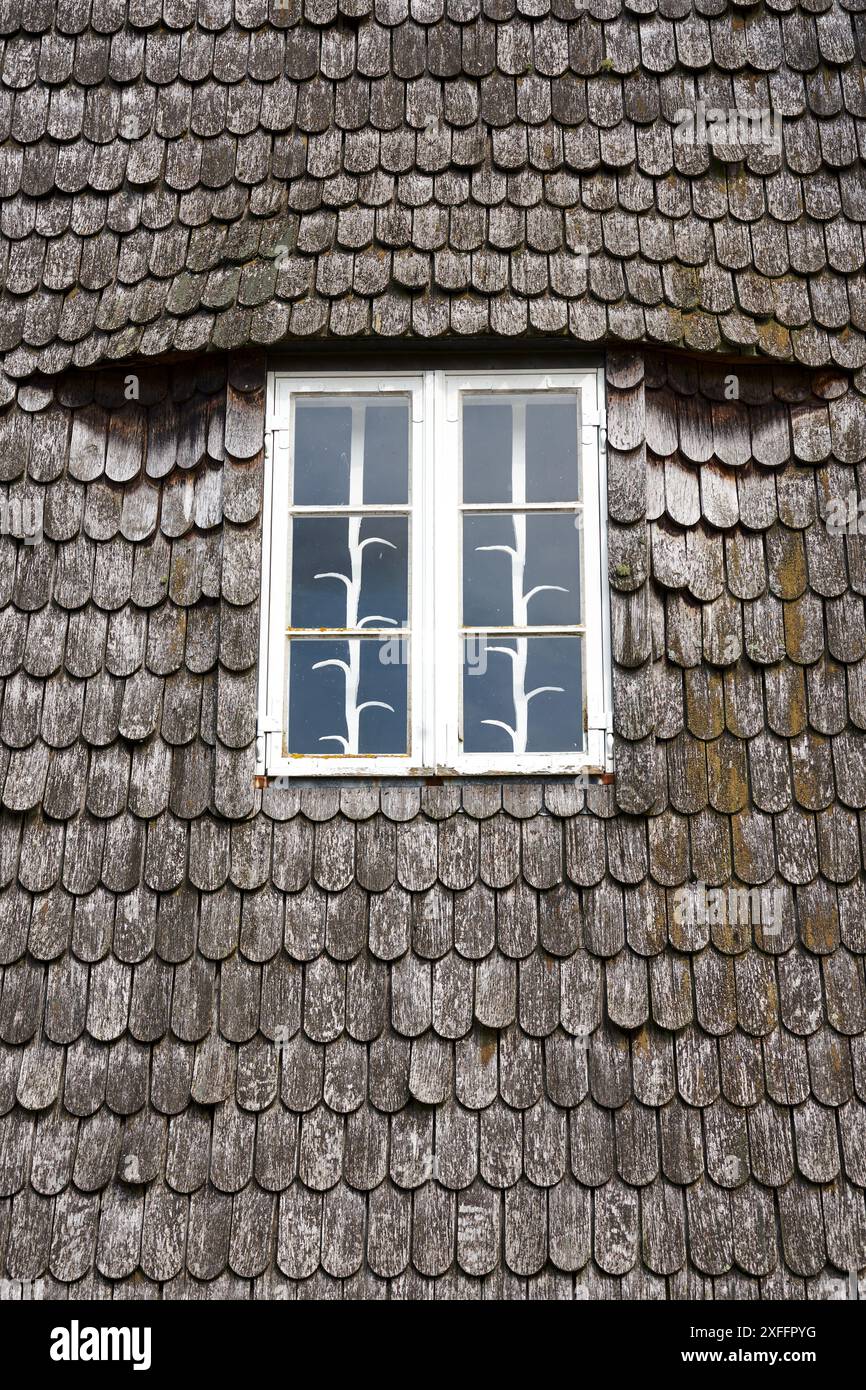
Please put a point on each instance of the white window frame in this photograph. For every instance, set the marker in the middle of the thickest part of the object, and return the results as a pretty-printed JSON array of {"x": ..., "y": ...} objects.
[{"x": 435, "y": 532}]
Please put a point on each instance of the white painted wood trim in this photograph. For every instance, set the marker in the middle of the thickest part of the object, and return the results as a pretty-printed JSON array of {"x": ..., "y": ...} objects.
[{"x": 435, "y": 581}]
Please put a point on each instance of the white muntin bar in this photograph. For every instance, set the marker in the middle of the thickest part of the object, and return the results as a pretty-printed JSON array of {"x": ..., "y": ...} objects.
[
  {"x": 530, "y": 630},
  {"x": 365, "y": 509}
]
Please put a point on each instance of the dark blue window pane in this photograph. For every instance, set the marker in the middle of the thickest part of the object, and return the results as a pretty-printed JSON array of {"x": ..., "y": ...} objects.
[
  {"x": 548, "y": 563},
  {"x": 552, "y": 450},
  {"x": 322, "y": 563},
  {"x": 385, "y": 571},
  {"x": 386, "y": 454},
  {"x": 319, "y": 544},
  {"x": 323, "y": 443},
  {"x": 486, "y": 451},
  {"x": 487, "y": 573},
  {"x": 551, "y": 455},
  {"x": 329, "y": 704},
  {"x": 507, "y": 705}
]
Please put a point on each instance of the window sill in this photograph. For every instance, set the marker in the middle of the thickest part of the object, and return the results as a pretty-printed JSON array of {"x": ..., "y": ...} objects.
[{"x": 432, "y": 779}]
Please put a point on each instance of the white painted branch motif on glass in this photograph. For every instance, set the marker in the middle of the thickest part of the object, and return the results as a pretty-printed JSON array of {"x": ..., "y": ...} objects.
[
  {"x": 541, "y": 548},
  {"x": 349, "y": 575},
  {"x": 352, "y": 668}
]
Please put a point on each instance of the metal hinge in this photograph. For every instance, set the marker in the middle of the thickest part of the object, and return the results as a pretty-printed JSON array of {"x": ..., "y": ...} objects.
[
  {"x": 266, "y": 724},
  {"x": 601, "y": 719},
  {"x": 600, "y": 728}
]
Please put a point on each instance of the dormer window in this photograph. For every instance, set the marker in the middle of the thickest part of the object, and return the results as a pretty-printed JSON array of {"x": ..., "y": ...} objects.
[{"x": 435, "y": 593}]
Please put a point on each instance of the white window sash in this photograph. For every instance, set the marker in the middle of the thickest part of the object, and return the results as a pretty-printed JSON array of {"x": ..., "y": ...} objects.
[
  {"x": 273, "y": 759},
  {"x": 451, "y": 757},
  {"x": 435, "y": 527}
]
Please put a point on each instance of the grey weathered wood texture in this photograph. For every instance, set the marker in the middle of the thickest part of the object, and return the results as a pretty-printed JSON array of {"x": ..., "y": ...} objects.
[
  {"x": 328, "y": 1043},
  {"x": 180, "y": 176},
  {"x": 331, "y": 1042}
]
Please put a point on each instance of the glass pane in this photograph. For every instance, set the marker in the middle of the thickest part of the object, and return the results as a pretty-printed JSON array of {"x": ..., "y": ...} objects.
[
  {"x": 323, "y": 447},
  {"x": 323, "y": 452},
  {"x": 486, "y": 451},
  {"x": 551, "y": 450},
  {"x": 350, "y": 571},
  {"x": 520, "y": 570},
  {"x": 348, "y": 697},
  {"x": 541, "y": 468},
  {"x": 386, "y": 454},
  {"x": 522, "y": 695}
]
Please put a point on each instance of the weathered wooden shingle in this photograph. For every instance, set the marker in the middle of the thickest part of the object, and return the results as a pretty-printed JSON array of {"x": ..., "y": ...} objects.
[
  {"x": 381, "y": 1040},
  {"x": 434, "y": 135}
]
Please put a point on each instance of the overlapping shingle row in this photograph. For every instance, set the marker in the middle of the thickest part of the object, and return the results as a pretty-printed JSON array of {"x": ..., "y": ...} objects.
[
  {"x": 459, "y": 1041},
  {"x": 187, "y": 176}
]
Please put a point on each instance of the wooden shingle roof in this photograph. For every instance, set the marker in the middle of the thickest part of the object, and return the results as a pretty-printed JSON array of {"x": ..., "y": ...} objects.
[{"x": 178, "y": 175}]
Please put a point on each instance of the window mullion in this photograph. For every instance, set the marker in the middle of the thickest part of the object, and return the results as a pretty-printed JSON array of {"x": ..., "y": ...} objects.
[
  {"x": 445, "y": 549},
  {"x": 425, "y": 623}
]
